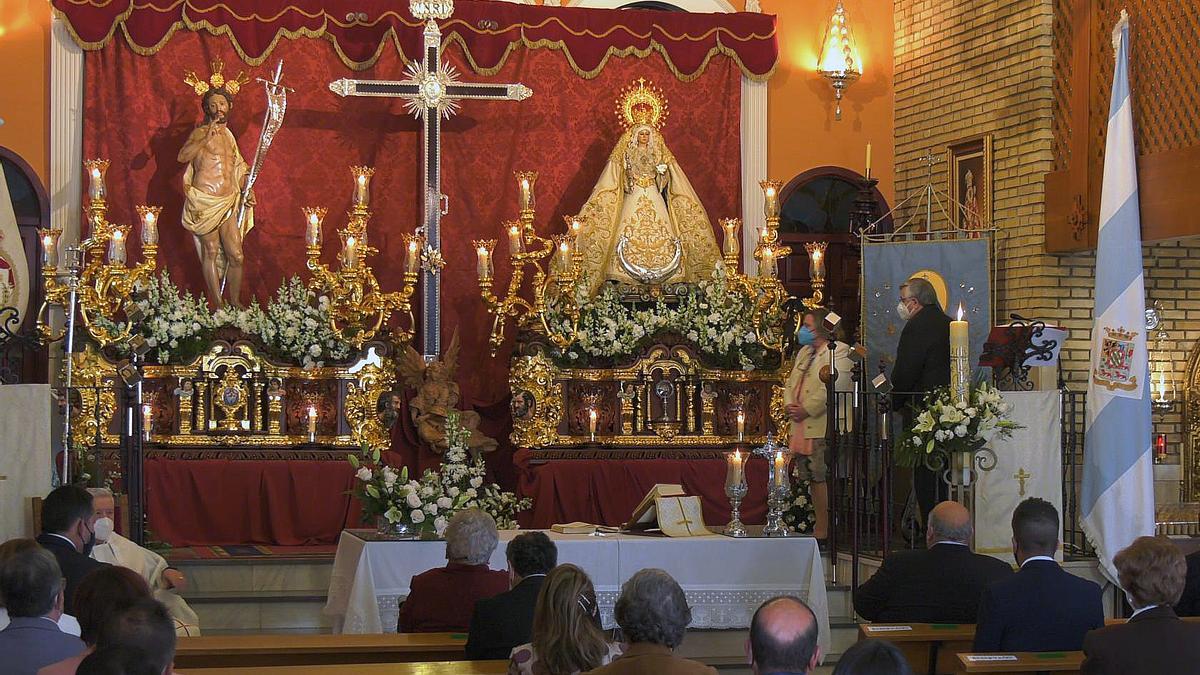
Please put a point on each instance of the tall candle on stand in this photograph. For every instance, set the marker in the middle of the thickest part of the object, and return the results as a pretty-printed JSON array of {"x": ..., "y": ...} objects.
[
  {"x": 736, "y": 472},
  {"x": 741, "y": 425},
  {"x": 960, "y": 358},
  {"x": 592, "y": 418},
  {"x": 147, "y": 421},
  {"x": 312, "y": 422},
  {"x": 868, "y": 174},
  {"x": 780, "y": 473}
]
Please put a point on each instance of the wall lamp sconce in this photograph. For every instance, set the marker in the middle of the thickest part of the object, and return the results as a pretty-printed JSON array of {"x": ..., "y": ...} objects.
[{"x": 839, "y": 61}]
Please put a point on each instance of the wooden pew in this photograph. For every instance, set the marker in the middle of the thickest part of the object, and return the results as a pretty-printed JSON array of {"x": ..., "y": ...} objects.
[
  {"x": 424, "y": 668},
  {"x": 1016, "y": 663},
  {"x": 228, "y": 651},
  {"x": 929, "y": 647}
]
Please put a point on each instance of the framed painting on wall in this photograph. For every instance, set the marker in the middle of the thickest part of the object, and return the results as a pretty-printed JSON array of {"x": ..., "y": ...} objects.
[{"x": 970, "y": 175}]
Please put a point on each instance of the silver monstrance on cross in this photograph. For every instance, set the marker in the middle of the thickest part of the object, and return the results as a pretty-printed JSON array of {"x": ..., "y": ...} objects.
[{"x": 431, "y": 91}]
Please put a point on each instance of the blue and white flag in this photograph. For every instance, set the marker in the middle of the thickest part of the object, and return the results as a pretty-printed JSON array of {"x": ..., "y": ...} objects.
[{"x": 1118, "y": 478}]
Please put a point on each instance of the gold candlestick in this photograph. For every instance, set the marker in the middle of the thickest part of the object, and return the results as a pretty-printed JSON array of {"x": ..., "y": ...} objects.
[
  {"x": 485, "y": 266},
  {"x": 362, "y": 186},
  {"x": 525, "y": 183},
  {"x": 96, "y": 169},
  {"x": 149, "y": 219},
  {"x": 313, "y": 218}
]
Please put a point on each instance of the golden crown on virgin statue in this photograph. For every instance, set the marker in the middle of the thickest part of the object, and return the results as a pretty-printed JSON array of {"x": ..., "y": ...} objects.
[{"x": 642, "y": 103}]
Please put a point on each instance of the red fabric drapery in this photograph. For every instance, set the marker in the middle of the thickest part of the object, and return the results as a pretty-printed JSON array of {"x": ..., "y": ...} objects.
[
  {"x": 605, "y": 492},
  {"x": 138, "y": 112},
  {"x": 360, "y": 31}
]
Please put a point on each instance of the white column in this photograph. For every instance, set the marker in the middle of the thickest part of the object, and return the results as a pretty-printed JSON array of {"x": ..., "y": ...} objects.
[
  {"x": 66, "y": 131},
  {"x": 754, "y": 167}
]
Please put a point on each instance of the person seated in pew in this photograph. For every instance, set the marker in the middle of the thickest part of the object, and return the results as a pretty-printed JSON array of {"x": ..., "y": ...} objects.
[
  {"x": 164, "y": 580},
  {"x": 1041, "y": 608},
  {"x": 66, "y": 623},
  {"x": 940, "y": 584},
  {"x": 567, "y": 635},
  {"x": 653, "y": 614},
  {"x": 873, "y": 657},
  {"x": 442, "y": 599},
  {"x": 505, "y": 621},
  {"x": 118, "y": 660},
  {"x": 146, "y": 626},
  {"x": 68, "y": 531},
  {"x": 1154, "y": 641},
  {"x": 1189, "y": 601},
  {"x": 101, "y": 596},
  {"x": 31, "y": 583},
  {"x": 783, "y": 638}
]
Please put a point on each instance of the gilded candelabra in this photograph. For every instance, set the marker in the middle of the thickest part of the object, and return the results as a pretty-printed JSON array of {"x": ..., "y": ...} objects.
[
  {"x": 358, "y": 307},
  {"x": 816, "y": 273},
  {"x": 553, "y": 269},
  {"x": 766, "y": 289},
  {"x": 105, "y": 282}
]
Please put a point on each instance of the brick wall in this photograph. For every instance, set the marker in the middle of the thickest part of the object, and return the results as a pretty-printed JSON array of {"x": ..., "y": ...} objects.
[{"x": 971, "y": 67}]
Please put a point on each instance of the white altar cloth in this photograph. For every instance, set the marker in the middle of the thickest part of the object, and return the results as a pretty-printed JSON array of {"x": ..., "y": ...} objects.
[{"x": 725, "y": 579}]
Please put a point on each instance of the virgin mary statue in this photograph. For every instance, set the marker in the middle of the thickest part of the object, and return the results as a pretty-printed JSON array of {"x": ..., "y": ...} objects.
[{"x": 644, "y": 222}]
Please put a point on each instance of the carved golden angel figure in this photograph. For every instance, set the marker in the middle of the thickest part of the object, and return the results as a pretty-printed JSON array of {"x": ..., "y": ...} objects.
[
  {"x": 645, "y": 222},
  {"x": 437, "y": 395}
]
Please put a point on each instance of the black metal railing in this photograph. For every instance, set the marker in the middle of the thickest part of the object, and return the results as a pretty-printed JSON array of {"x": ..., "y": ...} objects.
[{"x": 874, "y": 510}]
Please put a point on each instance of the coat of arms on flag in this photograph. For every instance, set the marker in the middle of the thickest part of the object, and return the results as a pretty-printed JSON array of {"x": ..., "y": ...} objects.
[{"x": 1115, "y": 367}]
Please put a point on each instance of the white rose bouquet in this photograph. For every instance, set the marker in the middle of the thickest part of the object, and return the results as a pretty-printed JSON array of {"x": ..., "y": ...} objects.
[
  {"x": 426, "y": 505},
  {"x": 955, "y": 426}
]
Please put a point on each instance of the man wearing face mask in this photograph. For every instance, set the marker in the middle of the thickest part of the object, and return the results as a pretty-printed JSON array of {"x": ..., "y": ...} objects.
[
  {"x": 922, "y": 365},
  {"x": 164, "y": 580},
  {"x": 68, "y": 531}
]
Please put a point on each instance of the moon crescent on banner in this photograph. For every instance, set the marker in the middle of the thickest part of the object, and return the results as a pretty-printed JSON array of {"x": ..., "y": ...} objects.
[{"x": 939, "y": 285}]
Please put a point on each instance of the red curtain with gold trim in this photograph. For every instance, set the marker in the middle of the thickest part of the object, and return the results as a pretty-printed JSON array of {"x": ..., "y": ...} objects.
[{"x": 489, "y": 31}]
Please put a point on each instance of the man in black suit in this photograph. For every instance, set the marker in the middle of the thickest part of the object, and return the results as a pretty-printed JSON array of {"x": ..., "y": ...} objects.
[
  {"x": 940, "y": 584},
  {"x": 68, "y": 532},
  {"x": 506, "y": 620},
  {"x": 922, "y": 365},
  {"x": 1041, "y": 608},
  {"x": 1155, "y": 641}
]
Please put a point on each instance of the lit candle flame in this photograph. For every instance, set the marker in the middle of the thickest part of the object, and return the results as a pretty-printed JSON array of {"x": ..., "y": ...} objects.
[
  {"x": 150, "y": 217},
  {"x": 564, "y": 247},
  {"x": 95, "y": 173},
  {"x": 960, "y": 311},
  {"x": 482, "y": 250},
  {"x": 46, "y": 241},
  {"x": 412, "y": 246},
  {"x": 312, "y": 218},
  {"x": 362, "y": 180},
  {"x": 117, "y": 235},
  {"x": 350, "y": 241},
  {"x": 576, "y": 226}
]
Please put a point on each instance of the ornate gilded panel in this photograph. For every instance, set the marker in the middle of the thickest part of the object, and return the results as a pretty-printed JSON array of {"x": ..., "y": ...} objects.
[{"x": 537, "y": 401}]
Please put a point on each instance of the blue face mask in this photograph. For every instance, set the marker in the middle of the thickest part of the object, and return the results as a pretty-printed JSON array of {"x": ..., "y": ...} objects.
[{"x": 805, "y": 336}]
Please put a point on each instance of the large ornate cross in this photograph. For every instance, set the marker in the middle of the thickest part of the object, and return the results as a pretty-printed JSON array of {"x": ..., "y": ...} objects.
[
  {"x": 1022, "y": 475},
  {"x": 431, "y": 91}
]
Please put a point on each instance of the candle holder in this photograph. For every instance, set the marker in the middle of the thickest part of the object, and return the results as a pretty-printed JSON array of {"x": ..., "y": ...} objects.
[
  {"x": 553, "y": 273},
  {"x": 358, "y": 306},
  {"x": 102, "y": 278},
  {"x": 777, "y": 500},
  {"x": 778, "y": 490},
  {"x": 816, "y": 273},
  {"x": 735, "y": 493},
  {"x": 730, "y": 246}
]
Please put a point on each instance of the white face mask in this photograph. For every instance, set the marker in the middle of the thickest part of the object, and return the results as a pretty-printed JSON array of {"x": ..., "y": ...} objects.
[
  {"x": 902, "y": 310},
  {"x": 104, "y": 529}
]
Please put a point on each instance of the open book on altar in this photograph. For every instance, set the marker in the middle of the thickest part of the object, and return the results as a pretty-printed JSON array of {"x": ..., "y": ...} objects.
[
  {"x": 582, "y": 528},
  {"x": 667, "y": 508}
]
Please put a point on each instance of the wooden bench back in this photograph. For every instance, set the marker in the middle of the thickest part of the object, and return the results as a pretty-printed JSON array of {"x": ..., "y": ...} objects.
[
  {"x": 1014, "y": 663},
  {"x": 930, "y": 648},
  {"x": 231, "y": 651},
  {"x": 419, "y": 668}
]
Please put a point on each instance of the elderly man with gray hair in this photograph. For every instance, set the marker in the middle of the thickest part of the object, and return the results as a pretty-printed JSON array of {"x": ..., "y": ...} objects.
[
  {"x": 942, "y": 584},
  {"x": 922, "y": 365},
  {"x": 653, "y": 614},
  {"x": 442, "y": 599},
  {"x": 164, "y": 580}
]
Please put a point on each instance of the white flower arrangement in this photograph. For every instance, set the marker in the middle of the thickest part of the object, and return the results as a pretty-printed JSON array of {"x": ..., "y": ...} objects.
[
  {"x": 714, "y": 317},
  {"x": 178, "y": 325},
  {"x": 956, "y": 426},
  {"x": 426, "y": 505}
]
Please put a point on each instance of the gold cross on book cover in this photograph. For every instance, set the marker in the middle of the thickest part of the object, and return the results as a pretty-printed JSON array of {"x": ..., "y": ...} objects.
[{"x": 667, "y": 508}]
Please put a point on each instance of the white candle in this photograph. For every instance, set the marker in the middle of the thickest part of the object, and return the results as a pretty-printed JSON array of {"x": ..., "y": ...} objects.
[
  {"x": 351, "y": 251},
  {"x": 780, "y": 469},
  {"x": 312, "y": 231},
  {"x": 485, "y": 263},
  {"x": 312, "y": 420},
  {"x": 149, "y": 216},
  {"x": 564, "y": 258},
  {"x": 741, "y": 425},
  {"x": 147, "y": 420},
  {"x": 736, "y": 473},
  {"x": 116, "y": 248},
  {"x": 730, "y": 246},
  {"x": 868, "y": 160},
  {"x": 50, "y": 248},
  {"x": 516, "y": 244},
  {"x": 959, "y": 332},
  {"x": 592, "y": 418},
  {"x": 767, "y": 268},
  {"x": 412, "y": 256}
]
